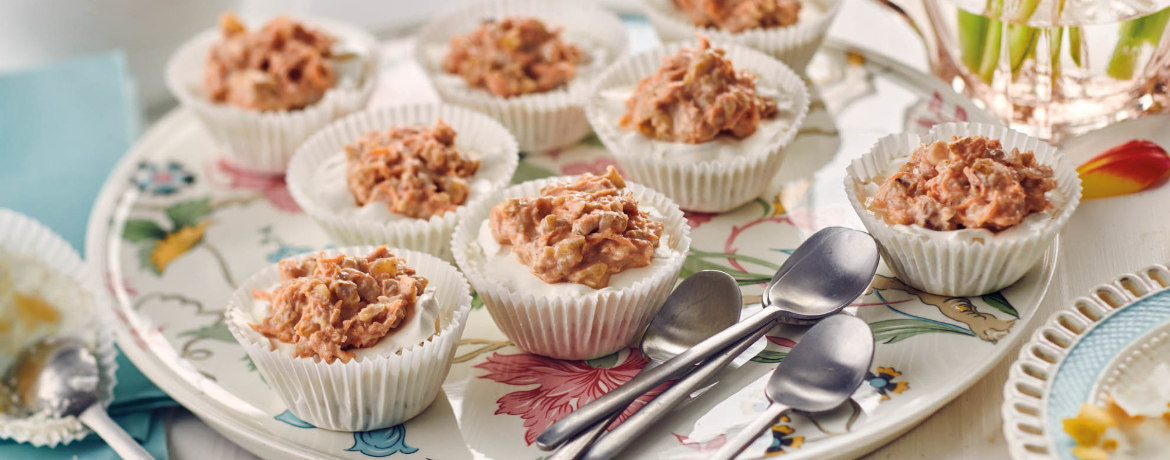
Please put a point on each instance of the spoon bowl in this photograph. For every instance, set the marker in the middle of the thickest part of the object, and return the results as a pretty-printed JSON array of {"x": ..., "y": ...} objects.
[
  {"x": 827, "y": 283},
  {"x": 820, "y": 373},
  {"x": 701, "y": 306}
]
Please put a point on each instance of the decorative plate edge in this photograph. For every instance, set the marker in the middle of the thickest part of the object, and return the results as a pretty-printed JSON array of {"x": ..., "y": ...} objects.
[{"x": 1027, "y": 387}]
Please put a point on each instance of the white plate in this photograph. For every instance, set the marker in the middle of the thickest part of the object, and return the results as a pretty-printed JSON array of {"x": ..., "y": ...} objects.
[
  {"x": 1074, "y": 354},
  {"x": 497, "y": 399}
]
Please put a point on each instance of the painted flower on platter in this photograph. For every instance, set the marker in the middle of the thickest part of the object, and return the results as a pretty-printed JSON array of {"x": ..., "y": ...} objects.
[
  {"x": 161, "y": 179},
  {"x": 225, "y": 175},
  {"x": 161, "y": 244},
  {"x": 885, "y": 382},
  {"x": 561, "y": 386}
]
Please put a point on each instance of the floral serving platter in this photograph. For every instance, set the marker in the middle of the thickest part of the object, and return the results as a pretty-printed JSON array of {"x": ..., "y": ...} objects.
[
  {"x": 176, "y": 228},
  {"x": 1077, "y": 354}
]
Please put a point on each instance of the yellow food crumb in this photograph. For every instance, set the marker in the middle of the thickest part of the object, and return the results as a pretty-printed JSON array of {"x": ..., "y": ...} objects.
[
  {"x": 33, "y": 311},
  {"x": 1090, "y": 453},
  {"x": 1088, "y": 426},
  {"x": 1110, "y": 445}
]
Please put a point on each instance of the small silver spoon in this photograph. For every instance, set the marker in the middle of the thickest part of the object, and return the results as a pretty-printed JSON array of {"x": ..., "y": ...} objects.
[
  {"x": 821, "y": 372},
  {"x": 60, "y": 377},
  {"x": 703, "y": 304},
  {"x": 824, "y": 275}
]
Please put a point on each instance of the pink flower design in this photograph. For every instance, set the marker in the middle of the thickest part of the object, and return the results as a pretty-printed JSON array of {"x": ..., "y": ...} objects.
[
  {"x": 710, "y": 446},
  {"x": 224, "y": 174},
  {"x": 695, "y": 219},
  {"x": 782, "y": 341},
  {"x": 562, "y": 386},
  {"x": 595, "y": 166}
]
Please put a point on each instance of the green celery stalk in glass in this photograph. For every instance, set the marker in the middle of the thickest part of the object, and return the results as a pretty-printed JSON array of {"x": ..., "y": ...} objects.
[{"x": 1134, "y": 35}]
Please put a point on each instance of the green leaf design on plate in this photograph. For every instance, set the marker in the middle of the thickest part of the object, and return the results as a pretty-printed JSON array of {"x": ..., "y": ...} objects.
[
  {"x": 604, "y": 362},
  {"x": 144, "y": 262},
  {"x": 697, "y": 261},
  {"x": 897, "y": 330},
  {"x": 189, "y": 213},
  {"x": 137, "y": 230},
  {"x": 592, "y": 140},
  {"x": 527, "y": 171},
  {"x": 476, "y": 301},
  {"x": 999, "y": 302},
  {"x": 769, "y": 357},
  {"x": 218, "y": 331}
]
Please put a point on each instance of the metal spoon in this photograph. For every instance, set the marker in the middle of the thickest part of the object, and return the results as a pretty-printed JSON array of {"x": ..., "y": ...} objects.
[
  {"x": 821, "y": 372},
  {"x": 705, "y": 303},
  {"x": 60, "y": 377},
  {"x": 826, "y": 273}
]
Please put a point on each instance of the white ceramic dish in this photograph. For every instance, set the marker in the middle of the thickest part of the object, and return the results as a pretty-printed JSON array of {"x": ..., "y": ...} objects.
[{"x": 495, "y": 398}]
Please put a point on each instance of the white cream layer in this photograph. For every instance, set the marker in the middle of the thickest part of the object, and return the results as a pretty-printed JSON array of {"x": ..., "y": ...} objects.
[
  {"x": 330, "y": 189},
  {"x": 722, "y": 148},
  {"x": 1033, "y": 223},
  {"x": 415, "y": 329},
  {"x": 498, "y": 263}
]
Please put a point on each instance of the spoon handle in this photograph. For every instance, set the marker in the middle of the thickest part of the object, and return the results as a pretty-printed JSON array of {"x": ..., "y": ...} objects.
[
  {"x": 629, "y": 431},
  {"x": 96, "y": 419},
  {"x": 750, "y": 432},
  {"x": 573, "y": 449},
  {"x": 622, "y": 396}
]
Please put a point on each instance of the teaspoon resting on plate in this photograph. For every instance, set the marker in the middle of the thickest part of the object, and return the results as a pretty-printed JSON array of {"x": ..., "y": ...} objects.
[
  {"x": 60, "y": 377},
  {"x": 824, "y": 275},
  {"x": 822, "y": 371}
]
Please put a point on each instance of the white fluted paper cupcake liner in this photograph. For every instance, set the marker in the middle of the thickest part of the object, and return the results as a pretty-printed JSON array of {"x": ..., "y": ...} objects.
[
  {"x": 795, "y": 44},
  {"x": 473, "y": 131},
  {"x": 540, "y": 122},
  {"x": 709, "y": 186},
  {"x": 363, "y": 394},
  {"x": 939, "y": 262},
  {"x": 571, "y": 327},
  {"x": 265, "y": 141},
  {"x": 23, "y": 236}
]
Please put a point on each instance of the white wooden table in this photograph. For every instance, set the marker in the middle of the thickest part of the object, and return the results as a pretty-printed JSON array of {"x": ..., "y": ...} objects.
[{"x": 969, "y": 427}]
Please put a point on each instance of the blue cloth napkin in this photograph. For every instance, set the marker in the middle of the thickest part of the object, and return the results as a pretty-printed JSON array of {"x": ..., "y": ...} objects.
[{"x": 62, "y": 129}]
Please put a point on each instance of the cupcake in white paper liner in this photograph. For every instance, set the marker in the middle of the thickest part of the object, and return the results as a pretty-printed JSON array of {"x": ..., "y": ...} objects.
[
  {"x": 569, "y": 320},
  {"x": 714, "y": 176},
  {"x": 794, "y": 44},
  {"x": 965, "y": 262},
  {"x": 383, "y": 385},
  {"x": 38, "y": 266},
  {"x": 540, "y": 121},
  {"x": 317, "y": 176},
  {"x": 265, "y": 141}
]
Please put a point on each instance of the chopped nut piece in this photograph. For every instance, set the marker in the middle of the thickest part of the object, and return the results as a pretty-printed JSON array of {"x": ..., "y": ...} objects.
[
  {"x": 969, "y": 182},
  {"x": 577, "y": 231},
  {"x": 417, "y": 171},
  {"x": 695, "y": 96},
  {"x": 283, "y": 66},
  {"x": 740, "y": 15},
  {"x": 513, "y": 56},
  {"x": 327, "y": 306}
]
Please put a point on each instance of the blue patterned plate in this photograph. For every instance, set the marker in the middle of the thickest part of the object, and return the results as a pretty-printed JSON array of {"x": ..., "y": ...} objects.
[{"x": 1067, "y": 358}]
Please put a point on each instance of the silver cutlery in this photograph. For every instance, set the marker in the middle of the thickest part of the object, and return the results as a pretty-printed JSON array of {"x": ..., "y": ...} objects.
[{"x": 824, "y": 275}]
